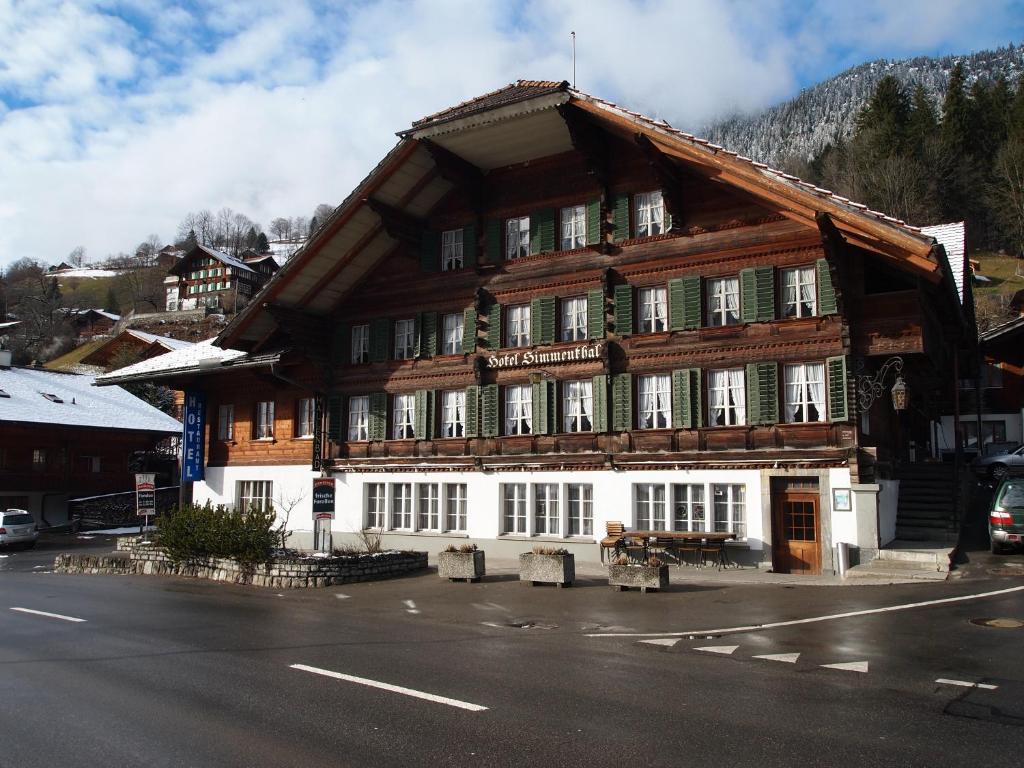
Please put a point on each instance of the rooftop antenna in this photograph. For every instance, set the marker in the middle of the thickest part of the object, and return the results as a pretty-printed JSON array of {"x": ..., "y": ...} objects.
[{"x": 573, "y": 59}]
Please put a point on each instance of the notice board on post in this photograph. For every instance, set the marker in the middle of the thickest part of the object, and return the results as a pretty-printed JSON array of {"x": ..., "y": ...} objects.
[
  {"x": 323, "y": 498},
  {"x": 193, "y": 437},
  {"x": 145, "y": 494}
]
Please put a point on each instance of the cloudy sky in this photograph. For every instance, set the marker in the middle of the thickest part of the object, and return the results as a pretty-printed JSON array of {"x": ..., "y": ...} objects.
[{"x": 118, "y": 118}]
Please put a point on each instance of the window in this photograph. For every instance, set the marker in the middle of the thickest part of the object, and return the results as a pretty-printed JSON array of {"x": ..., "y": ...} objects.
[
  {"x": 805, "y": 392},
  {"x": 574, "y": 319},
  {"x": 730, "y": 509},
  {"x": 452, "y": 329},
  {"x": 799, "y": 296},
  {"x": 518, "y": 334},
  {"x": 723, "y": 301},
  {"x": 578, "y": 406},
  {"x": 727, "y": 400},
  {"x": 361, "y": 343},
  {"x": 453, "y": 413},
  {"x": 649, "y": 211},
  {"x": 304, "y": 409},
  {"x": 688, "y": 508},
  {"x": 517, "y": 237},
  {"x": 514, "y": 508},
  {"x": 455, "y": 506},
  {"x": 653, "y": 310},
  {"x": 518, "y": 409},
  {"x": 376, "y": 505},
  {"x": 992, "y": 376},
  {"x": 991, "y": 432},
  {"x": 429, "y": 512},
  {"x": 574, "y": 227},
  {"x": 580, "y": 499},
  {"x": 545, "y": 509},
  {"x": 358, "y": 417},
  {"x": 451, "y": 250},
  {"x": 91, "y": 464},
  {"x": 264, "y": 420},
  {"x": 404, "y": 415},
  {"x": 405, "y": 338},
  {"x": 226, "y": 421},
  {"x": 401, "y": 506},
  {"x": 654, "y": 402},
  {"x": 255, "y": 495},
  {"x": 649, "y": 512}
]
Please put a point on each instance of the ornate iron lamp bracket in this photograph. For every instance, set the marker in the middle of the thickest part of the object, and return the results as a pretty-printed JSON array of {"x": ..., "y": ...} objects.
[{"x": 870, "y": 388}]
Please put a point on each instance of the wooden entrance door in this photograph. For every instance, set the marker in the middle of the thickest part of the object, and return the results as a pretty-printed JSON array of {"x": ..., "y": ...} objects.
[{"x": 796, "y": 532}]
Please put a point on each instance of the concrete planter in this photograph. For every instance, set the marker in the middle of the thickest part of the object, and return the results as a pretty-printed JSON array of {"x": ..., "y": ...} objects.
[
  {"x": 547, "y": 569},
  {"x": 642, "y": 577},
  {"x": 461, "y": 565}
]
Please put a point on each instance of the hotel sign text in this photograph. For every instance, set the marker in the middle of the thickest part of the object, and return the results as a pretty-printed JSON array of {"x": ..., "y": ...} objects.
[{"x": 532, "y": 357}]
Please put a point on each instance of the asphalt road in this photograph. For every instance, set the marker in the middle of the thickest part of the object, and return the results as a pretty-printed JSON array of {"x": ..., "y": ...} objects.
[{"x": 176, "y": 672}]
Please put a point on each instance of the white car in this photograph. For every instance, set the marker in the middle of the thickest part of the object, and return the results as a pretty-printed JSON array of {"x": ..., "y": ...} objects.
[{"x": 17, "y": 526}]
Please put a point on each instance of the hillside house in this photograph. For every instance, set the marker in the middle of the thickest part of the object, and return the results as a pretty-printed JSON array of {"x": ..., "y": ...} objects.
[{"x": 206, "y": 277}]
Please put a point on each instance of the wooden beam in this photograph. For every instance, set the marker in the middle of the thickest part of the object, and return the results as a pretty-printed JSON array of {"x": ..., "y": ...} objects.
[
  {"x": 589, "y": 141},
  {"x": 458, "y": 171},
  {"x": 397, "y": 223},
  {"x": 668, "y": 176}
]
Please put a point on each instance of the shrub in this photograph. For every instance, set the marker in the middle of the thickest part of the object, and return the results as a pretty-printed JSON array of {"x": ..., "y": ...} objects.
[
  {"x": 195, "y": 532},
  {"x": 539, "y": 550}
]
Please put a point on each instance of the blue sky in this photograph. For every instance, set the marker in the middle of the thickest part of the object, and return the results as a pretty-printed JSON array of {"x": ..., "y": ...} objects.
[{"x": 118, "y": 118}]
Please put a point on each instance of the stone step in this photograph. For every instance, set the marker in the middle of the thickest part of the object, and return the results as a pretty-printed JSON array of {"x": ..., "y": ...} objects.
[
  {"x": 897, "y": 570},
  {"x": 923, "y": 533},
  {"x": 937, "y": 556}
]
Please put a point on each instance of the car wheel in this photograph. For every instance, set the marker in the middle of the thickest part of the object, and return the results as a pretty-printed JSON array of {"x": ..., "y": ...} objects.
[{"x": 999, "y": 471}]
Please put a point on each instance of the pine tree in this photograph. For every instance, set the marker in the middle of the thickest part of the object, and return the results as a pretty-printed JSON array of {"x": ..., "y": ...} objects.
[
  {"x": 262, "y": 245},
  {"x": 191, "y": 241},
  {"x": 922, "y": 124},
  {"x": 313, "y": 224},
  {"x": 251, "y": 238},
  {"x": 956, "y": 115},
  {"x": 886, "y": 117},
  {"x": 111, "y": 304}
]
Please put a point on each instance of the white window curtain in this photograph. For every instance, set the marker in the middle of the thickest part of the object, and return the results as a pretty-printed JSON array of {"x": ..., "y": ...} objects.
[
  {"x": 727, "y": 398},
  {"x": 649, "y": 214},
  {"x": 518, "y": 410},
  {"x": 574, "y": 231},
  {"x": 738, "y": 395},
  {"x": 404, "y": 417},
  {"x": 517, "y": 237},
  {"x": 452, "y": 334},
  {"x": 655, "y": 402},
  {"x": 794, "y": 392},
  {"x": 805, "y": 392},
  {"x": 574, "y": 319},
  {"x": 454, "y": 420},
  {"x": 578, "y": 406},
  {"x": 653, "y": 310}
]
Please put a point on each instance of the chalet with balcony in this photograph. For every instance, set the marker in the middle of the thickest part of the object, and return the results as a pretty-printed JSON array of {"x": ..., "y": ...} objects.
[{"x": 207, "y": 278}]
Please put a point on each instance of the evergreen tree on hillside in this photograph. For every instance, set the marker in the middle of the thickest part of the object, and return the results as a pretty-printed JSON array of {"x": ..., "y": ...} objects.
[
  {"x": 886, "y": 117},
  {"x": 922, "y": 123},
  {"x": 262, "y": 244}
]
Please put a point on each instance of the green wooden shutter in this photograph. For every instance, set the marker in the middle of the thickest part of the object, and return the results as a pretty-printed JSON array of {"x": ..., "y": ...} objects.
[
  {"x": 380, "y": 340},
  {"x": 430, "y": 248},
  {"x": 542, "y": 320},
  {"x": 762, "y": 393},
  {"x": 543, "y": 400},
  {"x": 595, "y": 314},
  {"x": 542, "y": 231},
  {"x": 494, "y": 326},
  {"x": 342, "y": 347},
  {"x": 423, "y": 419},
  {"x": 622, "y": 402},
  {"x": 668, "y": 220},
  {"x": 493, "y": 241},
  {"x": 594, "y": 222},
  {"x": 428, "y": 334},
  {"x": 826, "y": 292},
  {"x": 686, "y": 399},
  {"x": 334, "y": 417},
  {"x": 489, "y": 409},
  {"x": 378, "y": 416},
  {"x": 469, "y": 245},
  {"x": 684, "y": 303},
  {"x": 620, "y": 214},
  {"x": 757, "y": 294},
  {"x": 473, "y": 411},
  {"x": 838, "y": 409},
  {"x": 600, "y": 393},
  {"x": 624, "y": 310},
  {"x": 469, "y": 330}
]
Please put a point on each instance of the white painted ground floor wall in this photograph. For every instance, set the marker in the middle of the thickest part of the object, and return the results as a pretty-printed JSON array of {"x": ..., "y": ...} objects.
[{"x": 615, "y": 496}]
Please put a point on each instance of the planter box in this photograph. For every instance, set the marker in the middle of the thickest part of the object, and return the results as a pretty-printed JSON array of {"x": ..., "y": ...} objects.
[
  {"x": 547, "y": 569},
  {"x": 461, "y": 565},
  {"x": 643, "y": 577}
]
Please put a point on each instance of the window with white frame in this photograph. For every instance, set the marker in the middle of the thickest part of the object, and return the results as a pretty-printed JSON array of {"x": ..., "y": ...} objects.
[
  {"x": 518, "y": 409},
  {"x": 304, "y": 412},
  {"x": 580, "y": 500},
  {"x": 574, "y": 318},
  {"x": 451, "y": 250},
  {"x": 255, "y": 495},
  {"x": 359, "y": 417},
  {"x": 574, "y": 227},
  {"x": 649, "y": 506},
  {"x": 545, "y": 509},
  {"x": 723, "y": 301},
  {"x": 799, "y": 292},
  {"x": 688, "y": 508},
  {"x": 578, "y": 406},
  {"x": 654, "y": 401},
  {"x": 451, "y": 326},
  {"x": 730, "y": 509},
  {"x": 376, "y": 505},
  {"x": 805, "y": 392},
  {"x": 455, "y": 507},
  {"x": 405, "y": 339},
  {"x": 226, "y": 421},
  {"x": 518, "y": 326},
  {"x": 727, "y": 398},
  {"x": 264, "y": 426},
  {"x": 517, "y": 237},
  {"x": 428, "y": 507},
  {"x": 653, "y": 309},
  {"x": 401, "y": 506},
  {"x": 513, "y": 508},
  {"x": 403, "y": 417},
  {"x": 361, "y": 343},
  {"x": 453, "y": 413},
  {"x": 649, "y": 212}
]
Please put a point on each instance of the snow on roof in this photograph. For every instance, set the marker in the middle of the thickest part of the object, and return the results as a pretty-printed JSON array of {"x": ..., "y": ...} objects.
[
  {"x": 39, "y": 396},
  {"x": 951, "y": 237},
  {"x": 231, "y": 261},
  {"x": 164, "y": 341},
  {"x": 92, "y": 273},
  {"x": 186, "y": 358},
  {"x": 9, "y": 324}
]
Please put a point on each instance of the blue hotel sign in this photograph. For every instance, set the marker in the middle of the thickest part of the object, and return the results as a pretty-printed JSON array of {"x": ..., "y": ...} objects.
[{"x": 193, "y": 437}]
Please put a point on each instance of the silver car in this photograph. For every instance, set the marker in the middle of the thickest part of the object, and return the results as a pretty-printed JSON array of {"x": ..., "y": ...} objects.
[
  {"x": 1001, "y": 465},
  {"x": 17, "y": 526}
]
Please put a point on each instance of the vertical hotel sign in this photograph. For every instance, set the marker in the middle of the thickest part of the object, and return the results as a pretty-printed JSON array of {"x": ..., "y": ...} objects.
[{"x": 193, "y": 437}]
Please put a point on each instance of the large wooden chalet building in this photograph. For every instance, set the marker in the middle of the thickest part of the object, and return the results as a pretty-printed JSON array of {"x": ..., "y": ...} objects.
[{"x": 542, "y": 312}]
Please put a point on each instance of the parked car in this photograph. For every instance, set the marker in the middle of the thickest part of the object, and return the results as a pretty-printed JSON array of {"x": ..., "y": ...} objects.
[
  {"x": 1001, "y": 465},
  {"x": 1006, "y": 518},
  {"x": 17, "y": 526}
]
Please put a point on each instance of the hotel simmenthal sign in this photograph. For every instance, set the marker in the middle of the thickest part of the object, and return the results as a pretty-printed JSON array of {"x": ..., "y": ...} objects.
[
  {"x": 193, "y": 437},
  {"x": 547, "y": 356}
]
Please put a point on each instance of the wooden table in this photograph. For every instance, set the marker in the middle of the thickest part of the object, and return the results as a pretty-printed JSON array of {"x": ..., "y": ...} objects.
[{"x": 645, "y": 537}]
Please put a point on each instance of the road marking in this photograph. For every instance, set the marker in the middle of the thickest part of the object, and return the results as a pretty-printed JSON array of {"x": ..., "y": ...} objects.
[
  {"x": 492, "y": 624},
  {"x": 723, "y": 649},
  {"x": 965, "y": 684},
  {"x": 341, "y": 596},
  {"x": 668, "y": 642},
  {"x": 410, "y": 606},
  {"x": 788, "y": 658},
  {"x": 849, "y": 666},
  {"x": 393, "y": 688},
  {"x": 812, "y": 619},
  {"x": 50, "y": 615}
]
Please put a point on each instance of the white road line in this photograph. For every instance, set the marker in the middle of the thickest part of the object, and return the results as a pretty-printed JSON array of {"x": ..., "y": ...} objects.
[
  {"x": 668, "y": 642},
  {"x": 813, "y": 619},
  {"x": 788, "y": 658},
  {"x": 410, "y": 606},
  {"x": 341, "y": 596},
  {"x": 965, "y": 684},
  {"x": 725, "y": 650},
  {"x": 393, "y": 688},
  {"x": 849, "y": 666},
  {"x": 50, "y": 615}
]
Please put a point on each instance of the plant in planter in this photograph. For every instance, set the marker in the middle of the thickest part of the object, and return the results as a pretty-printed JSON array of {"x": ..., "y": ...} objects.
[
  {"x": 461, "y": 563},
  {"x": 547, "y": 565},
  {"x": 623, "y": 574}
]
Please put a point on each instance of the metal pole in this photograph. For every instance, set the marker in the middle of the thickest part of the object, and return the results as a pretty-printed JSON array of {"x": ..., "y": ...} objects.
[{"x": 573, "y": 59}]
